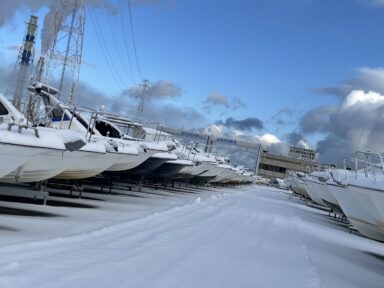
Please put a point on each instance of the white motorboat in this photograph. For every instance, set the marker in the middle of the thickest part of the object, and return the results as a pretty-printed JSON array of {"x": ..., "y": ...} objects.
[
  {"x": 205, "y": 165},
  {"x": 297, "y": 183},
  {"x": 361, "y": 195},
  {"x": 232, "y": 175},
  {"x": 247, "y": 177},
  {"x": 94, "y": 160},
  {"x": 13, "y": 149},
  {"x": 313, "y": 189},
  {"x": 225, "y": 173},
  {"x": 111, "y": 126},
  {"x": 319, "y": 192},
  {"x": 99, "y": 154},
  {"x": 37, "y": 153},
  {"x": 47, "y": 164},
  {"x": 160, "y": 146},
  {"x": 357, "y": 206},
  {"x": 171, "y": 168},
  {"x": 238, "y": 177}
]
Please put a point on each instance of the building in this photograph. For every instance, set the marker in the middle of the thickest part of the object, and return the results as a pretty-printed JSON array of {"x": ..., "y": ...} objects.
[
  {"x": 302, "y": 153},
  {"x": 277, "y": 166}
]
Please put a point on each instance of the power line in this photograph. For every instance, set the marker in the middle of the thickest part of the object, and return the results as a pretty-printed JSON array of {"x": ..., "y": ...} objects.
[
  {"x": 118, "y": 50},
  {"x": 108, "y": 59},
  {"x": 125, "y": 41},
  {"x": 133, "y": 39}
]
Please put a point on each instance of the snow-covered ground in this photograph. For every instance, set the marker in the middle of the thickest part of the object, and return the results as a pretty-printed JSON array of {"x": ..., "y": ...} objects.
[{"x": 243, "y": 237}]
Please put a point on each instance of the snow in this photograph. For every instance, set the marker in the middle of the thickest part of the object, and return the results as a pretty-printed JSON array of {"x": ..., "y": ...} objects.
[
  {"x": 229, "y": 237},
  {"x": 165, "y": 155},
  {"x": 129, "y": 149},
  {"x": 19, "y": 117},
  {"x": 70, "y": 135},
  {"x": 94, "y": 146},
  {"x": 181, "y": 162},
  {"x": 48, "y": 138},
  {"x": 200, "y": 157},
  {"x": 161, "y": 146}
]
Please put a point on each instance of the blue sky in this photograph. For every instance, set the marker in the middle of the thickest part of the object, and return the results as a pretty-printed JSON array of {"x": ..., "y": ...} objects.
[{"x": 272, "y": 55}]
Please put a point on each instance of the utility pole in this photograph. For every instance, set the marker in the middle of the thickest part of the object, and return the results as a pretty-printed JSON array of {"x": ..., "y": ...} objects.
[
  {"x": 209, "y": 144},
  {"x": 259, "y": 153}
]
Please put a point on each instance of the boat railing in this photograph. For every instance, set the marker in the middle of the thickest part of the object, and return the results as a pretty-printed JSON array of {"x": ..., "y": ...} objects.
[
  {"x": 45, "y": 116},
  {"x": 368, "y": 164},
  {"x": 20, "y": 127}
]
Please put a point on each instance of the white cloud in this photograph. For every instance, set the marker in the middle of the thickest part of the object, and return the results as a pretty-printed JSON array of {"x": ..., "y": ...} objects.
[
  {"x": 156, "y": 90},
  {"x": 217, "y": 99},
  {"x": 303, "y": 144},
  {"x": 268, "y": 139},
  {"x": 236, "y": 104},
  {"x": 355, "y": 124},
  {"x": 215, "y": 130},
  {"x": 272, "y": 144},
  {"x": 236, "y": 133},
  {"x": 359, "y": 98},
  {"x": 366, "y": 79}
]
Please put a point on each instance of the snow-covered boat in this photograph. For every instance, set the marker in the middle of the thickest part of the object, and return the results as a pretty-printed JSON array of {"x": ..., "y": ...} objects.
[
  {"x": 361, "y": 197},
  {"x": 319, "y": 192},
  {"x": 99, "y": 154},
  {"x": 297, "y": 183},
  {"x": 112, "y": 126},
  {"x": 225, "y": 173},
  {"x": 33, "y": 153},
  {"x": 205, "y": 167}
]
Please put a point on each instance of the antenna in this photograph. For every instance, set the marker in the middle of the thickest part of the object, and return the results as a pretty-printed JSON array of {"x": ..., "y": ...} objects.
[
  {"x": 25, "y": 61},
  {"x": 65, "y": 45}
]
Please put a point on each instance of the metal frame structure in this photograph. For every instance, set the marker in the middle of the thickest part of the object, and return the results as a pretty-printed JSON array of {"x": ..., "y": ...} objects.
[
  {"x": 25, "y": 61},
  {"x": 65, "y": 44}
]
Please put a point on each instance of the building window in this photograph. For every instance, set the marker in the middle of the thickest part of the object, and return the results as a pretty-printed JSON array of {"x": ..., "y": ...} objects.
[{"x": 272, "y": 168}]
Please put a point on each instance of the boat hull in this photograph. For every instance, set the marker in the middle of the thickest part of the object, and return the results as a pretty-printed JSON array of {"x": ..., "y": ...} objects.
[
  {"x": 47, "y": 164},
  {"x": 313, "y": 192},
  {"x": 92, "y": 164},
  {"x": 169, "y": 170},
  {"x": 13, "y": 156},
  {"x": 299, "y": 187},
  {"x": 128, "y": 162},
  {"x": 358, "y": 207},
  {"x": 153, "y": 162}
]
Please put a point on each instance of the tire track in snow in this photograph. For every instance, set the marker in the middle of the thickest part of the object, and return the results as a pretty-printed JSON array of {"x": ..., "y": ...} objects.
[
  {"x": 238, "y": 240},
  {"x": 314, "y": 274},
  {"x": 141, "y": 233}
]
